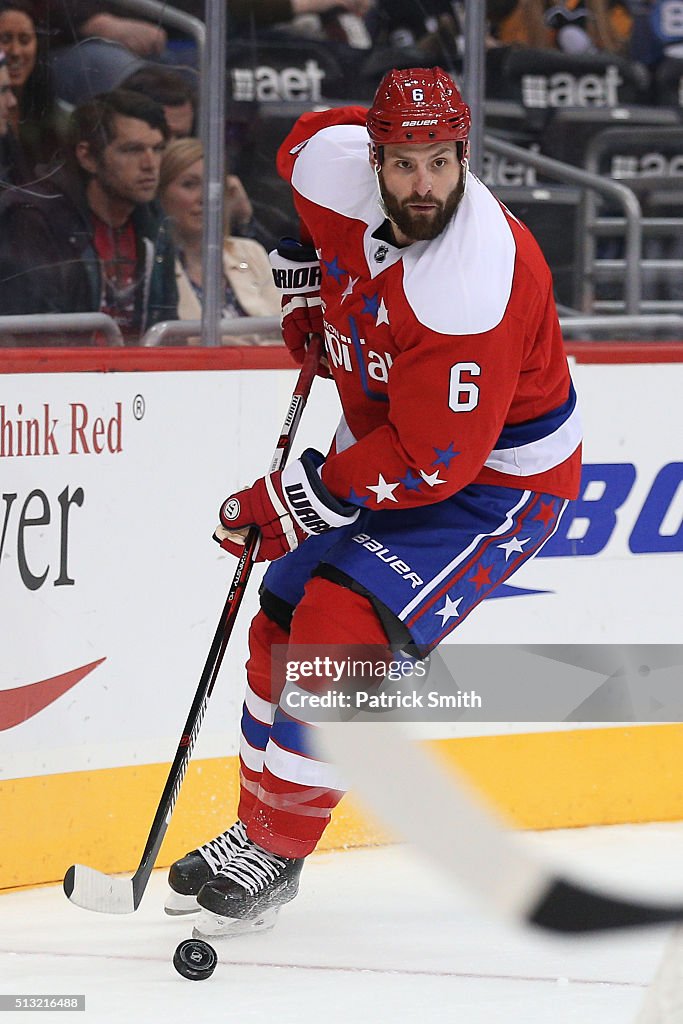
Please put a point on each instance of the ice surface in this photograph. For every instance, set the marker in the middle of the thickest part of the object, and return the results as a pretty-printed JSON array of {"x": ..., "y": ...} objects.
[{"x": 372, "y": 937}]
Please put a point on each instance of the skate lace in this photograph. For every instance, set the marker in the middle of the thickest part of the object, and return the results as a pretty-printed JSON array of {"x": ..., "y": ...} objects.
[
  {"x": 253, "y": 868},
  {"x": 220, "y": 851}
]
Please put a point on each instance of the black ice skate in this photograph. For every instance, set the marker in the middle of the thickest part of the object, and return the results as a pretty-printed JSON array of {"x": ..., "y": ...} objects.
[
  {"x": 188, "y": 875},
  {"x": 247, "y": 895}
]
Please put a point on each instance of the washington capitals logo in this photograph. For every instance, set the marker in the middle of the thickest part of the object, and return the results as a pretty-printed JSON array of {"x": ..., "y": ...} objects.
[{"x": 381, "y": 253}]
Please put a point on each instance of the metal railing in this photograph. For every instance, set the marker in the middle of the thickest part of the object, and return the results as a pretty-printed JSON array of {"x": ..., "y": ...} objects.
[
  {"x": 269, "y": 326},
  {"x": 62, "y": 323},
  {"x": 233, "y": 326},
  {"x": 655, "y": 267},
  {"x": 616, "y": 191},
  {"x": 669, "y": 322},
  {"x": 165, "y": 14},
  {"x": 474, "y": 78}
]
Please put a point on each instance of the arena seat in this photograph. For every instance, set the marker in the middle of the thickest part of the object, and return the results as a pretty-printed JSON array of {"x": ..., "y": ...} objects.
[
  {"x": 552, "y": 215},
  {"x": 569, "y": 132},
  {"x": 668, "y": 83},
  {"x": 255, "y": 164}
]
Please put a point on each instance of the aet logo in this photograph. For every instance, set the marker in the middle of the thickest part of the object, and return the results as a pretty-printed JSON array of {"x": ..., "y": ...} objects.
[
  {"x": 264, "y": 83},
  {"x": 651, "y": 165},
  {"x": 566, "y": 90}
]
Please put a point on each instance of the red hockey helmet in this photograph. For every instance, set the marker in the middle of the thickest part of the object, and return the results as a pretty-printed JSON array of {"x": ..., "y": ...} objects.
[{"x": 418, "y": 105}]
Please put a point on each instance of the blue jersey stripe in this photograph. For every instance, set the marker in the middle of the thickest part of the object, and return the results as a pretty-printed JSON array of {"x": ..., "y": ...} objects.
[{"x": 518, "y": 434}]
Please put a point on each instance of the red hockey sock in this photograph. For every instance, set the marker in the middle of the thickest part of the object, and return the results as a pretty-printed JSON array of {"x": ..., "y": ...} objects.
[
  {"x": 258, "y": 711},
  {"x": 295, "y": 795}
]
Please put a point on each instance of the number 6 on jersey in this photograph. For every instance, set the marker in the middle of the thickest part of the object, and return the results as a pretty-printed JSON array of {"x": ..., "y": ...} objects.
[{"x": 463, "y": 395}]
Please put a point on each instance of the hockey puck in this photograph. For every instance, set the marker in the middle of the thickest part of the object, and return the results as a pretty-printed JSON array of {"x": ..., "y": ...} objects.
[{"x": 195, "y": 959}]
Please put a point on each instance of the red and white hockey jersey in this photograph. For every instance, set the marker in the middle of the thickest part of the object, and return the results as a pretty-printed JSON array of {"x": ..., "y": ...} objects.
[{"x": 447, "y": 354}]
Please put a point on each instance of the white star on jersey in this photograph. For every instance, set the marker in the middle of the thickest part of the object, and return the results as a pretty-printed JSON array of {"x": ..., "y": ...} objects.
[
  {"x": 382, "y": 314},
  {"x": 514, "y": 544},
  {"x": 383, "y": 490},
  {"x": 449, "y": 610},
  {"x": 352, "y": 282},
  {"x": 432, "y": 479}
]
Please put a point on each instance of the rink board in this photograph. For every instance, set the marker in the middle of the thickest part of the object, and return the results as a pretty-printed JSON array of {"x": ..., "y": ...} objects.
[
  {"x": 113, "y": 464},
  {"x": 537, "y": 780}
]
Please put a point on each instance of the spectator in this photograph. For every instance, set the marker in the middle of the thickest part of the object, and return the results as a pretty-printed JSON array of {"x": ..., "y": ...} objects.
[
  {"x": 572, "y": 26},
  {"x": 657, "y": 31},
  {"x": 142, "y": 38},
  {"x": 94, "y": 240},
  {"x": 341, "y": 22},
  {"x": 37, "y": 119},
  {"x": 584, "y": 26},
  {"x": 93, "y": 48},
  {"x": 172, "y": 91},
  {"x": 518, "y": 23},
  {"x": 613, "y": 24},
  {"x": 12, "y": 169},
  {"x": 247, "y": 15},
  {"x": 436, "y": 27},
  {"x": 8, "y": 100},
  {"x": 248, "y": 283},
  {"x": 433, "y": 26}
]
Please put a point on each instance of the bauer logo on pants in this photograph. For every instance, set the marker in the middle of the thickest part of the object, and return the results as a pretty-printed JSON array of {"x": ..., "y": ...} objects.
[{"x": 230, "y": 510}]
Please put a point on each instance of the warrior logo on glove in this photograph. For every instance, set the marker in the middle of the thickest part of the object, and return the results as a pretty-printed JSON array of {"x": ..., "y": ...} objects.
[
  {"x": 286, "y": 506},
  {"x": 298, "y": 501},
  {"x": 297, "y": 279},
  {"x": 297, "y": 276},
  {"x": 231, "y": 509}
]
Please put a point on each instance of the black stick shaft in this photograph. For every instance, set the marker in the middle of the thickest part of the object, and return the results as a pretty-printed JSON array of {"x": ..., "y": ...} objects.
[{"x": 221, "y": 636}]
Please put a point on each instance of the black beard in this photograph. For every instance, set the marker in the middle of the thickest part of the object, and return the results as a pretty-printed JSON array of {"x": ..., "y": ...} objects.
[{"x": 419, "y": 227}]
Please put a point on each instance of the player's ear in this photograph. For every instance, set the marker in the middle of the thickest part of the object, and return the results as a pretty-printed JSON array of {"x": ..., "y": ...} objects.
[{"x": 372, "y": 156}]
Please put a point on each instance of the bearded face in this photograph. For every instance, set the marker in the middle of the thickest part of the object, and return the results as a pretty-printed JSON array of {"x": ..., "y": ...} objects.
[
  {"x": 421, "y": 187},
  {"x": 418, "y": 221}
]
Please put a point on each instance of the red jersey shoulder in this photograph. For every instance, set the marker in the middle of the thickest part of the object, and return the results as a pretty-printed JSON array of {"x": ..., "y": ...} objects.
[{"x": 309, "y": 125}]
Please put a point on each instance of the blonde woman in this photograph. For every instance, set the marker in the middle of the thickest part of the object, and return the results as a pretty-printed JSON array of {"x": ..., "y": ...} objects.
[{"x": 248, "y": 283}]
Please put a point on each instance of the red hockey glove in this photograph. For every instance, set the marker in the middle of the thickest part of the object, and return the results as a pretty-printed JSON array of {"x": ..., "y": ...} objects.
[
  {"x": 296, "y": 273},
  {"x": 286, "y": 506}
]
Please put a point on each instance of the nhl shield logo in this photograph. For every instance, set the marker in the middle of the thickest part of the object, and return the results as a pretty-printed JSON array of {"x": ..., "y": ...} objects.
[{"x": 381, "y": 253}]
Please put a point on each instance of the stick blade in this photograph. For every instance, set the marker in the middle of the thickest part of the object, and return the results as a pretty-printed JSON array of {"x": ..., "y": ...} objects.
[
  {"x": 93, "y": 890},
  {"x": 571, "y": 908}
]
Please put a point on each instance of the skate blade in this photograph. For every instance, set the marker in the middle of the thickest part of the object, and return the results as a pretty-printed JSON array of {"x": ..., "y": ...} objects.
[
  {"x": 177, "y": 905},
  {"x": 213, "y": 926}
]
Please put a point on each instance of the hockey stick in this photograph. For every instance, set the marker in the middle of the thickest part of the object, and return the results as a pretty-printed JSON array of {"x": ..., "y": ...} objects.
[
  {"x": 109, "y": 894},
  {"x": 427, "y": 807}
]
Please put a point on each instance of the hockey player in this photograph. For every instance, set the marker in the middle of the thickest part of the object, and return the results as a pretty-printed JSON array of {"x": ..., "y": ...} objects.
[{"x": 458, "y": 449}]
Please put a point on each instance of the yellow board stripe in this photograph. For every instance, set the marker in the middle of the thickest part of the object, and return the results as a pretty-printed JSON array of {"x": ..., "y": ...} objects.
[{"x": 539, "y": 780}]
